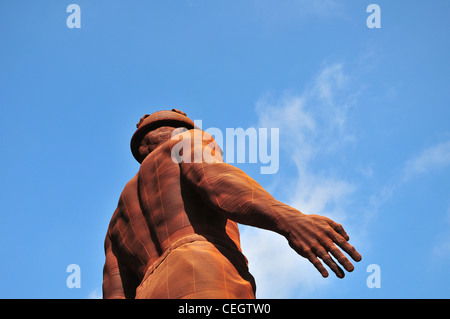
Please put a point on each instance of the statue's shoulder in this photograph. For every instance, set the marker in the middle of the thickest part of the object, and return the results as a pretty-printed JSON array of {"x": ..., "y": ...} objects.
[
  {"x": 194, "y": 137},
  {"x": 130, "y": 186},
  {"x": 181, "y": 133},
  {"x": 129, "y": 194}
]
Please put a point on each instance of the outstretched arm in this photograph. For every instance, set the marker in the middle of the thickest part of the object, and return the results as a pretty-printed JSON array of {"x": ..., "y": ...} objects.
[{"x": 231, "y": 192}]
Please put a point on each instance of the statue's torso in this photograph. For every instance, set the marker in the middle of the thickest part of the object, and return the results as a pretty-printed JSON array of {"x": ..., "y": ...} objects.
[{"x": 157, "y": 209}]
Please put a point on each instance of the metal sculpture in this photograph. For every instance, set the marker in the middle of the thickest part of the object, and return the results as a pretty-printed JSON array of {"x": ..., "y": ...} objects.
[{"x": 174, "y": 233}]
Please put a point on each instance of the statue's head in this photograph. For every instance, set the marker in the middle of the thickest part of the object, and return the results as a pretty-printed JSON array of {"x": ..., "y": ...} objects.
[{"x": 155, "y": 128}]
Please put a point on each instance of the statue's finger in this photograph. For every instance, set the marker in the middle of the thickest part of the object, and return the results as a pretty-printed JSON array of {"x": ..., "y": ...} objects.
[
  {"x": 316, "y": 262},
  {"x": 340, "y": 230},
  {"x": 326, "y": 258},
  {"x": 341, "y": 258},
  {"x": 344, "y": 245}
]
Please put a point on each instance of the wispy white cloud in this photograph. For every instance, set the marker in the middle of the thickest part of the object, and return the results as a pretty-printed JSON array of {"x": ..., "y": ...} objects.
[
  {"x": 95, "y": 294},
  {"x": 434, "y": 157},
  {"x": 312, "y": 122},
  {"x": 441, "y": 247},
  {"x": 312, "y": 125},
  {"x": 429, "y": 159},
  {"x": 365, "y": 170},
  {"x": 278, "y": 270}
]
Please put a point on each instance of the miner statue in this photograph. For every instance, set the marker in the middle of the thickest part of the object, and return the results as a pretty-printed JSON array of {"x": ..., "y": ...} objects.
[{"x": 174, "y": 233}]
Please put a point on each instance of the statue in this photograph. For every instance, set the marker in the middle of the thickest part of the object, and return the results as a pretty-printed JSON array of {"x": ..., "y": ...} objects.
[{"x": 174, "y": 233}]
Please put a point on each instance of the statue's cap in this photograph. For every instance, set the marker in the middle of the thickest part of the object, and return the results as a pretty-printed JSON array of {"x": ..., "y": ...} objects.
[{"x": 150, "y": 122}]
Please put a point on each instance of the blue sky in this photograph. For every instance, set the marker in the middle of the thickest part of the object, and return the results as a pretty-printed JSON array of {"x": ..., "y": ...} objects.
[{"x": 363, "y": 117}]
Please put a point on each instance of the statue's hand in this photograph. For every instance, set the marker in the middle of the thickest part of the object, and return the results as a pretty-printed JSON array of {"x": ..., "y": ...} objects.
[{"x": 313, "y": 237}]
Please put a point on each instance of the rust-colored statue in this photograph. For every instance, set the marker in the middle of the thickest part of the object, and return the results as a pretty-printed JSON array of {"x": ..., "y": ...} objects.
[{"x": 174, "y": 232}]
